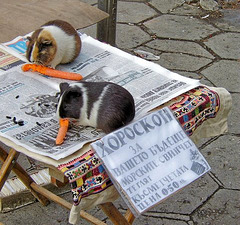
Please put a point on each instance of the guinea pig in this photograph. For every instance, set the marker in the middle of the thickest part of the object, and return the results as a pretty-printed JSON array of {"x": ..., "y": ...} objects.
[
  {"x": 103, "y": 105},
  {"x": 56, "y": 42}
]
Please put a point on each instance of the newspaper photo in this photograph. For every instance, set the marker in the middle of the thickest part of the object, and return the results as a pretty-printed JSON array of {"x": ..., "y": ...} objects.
[
  {"x": 8, "y": 61},
  {"x": 29, "y": 99},
  {"x": 17, "y": 47}
]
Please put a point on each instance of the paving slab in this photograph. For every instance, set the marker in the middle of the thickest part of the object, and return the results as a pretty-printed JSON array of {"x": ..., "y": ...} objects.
[
  {"x": 165, "y": 6},
  {"x": 189, "y": 198},
  {"x": 226, "y": 45},
  {"x": 222, "y": 209},
  {"x": 233, "y": 120},
  {"x": 229, "y": 21},
  {"x": 223, "y": 156},
  {"x": 91, "y": 31},
  {"x": 145, "y": 48},
  {"x": 187, "y": 47},
  {"x": 179, "y": 61},
  {"x": 187, "y": 9},
  {"x": 159, "y": 221},
  {"x": 180, "y": 27},
  {"x": 171, "y": 216},
  {"x": 126, "y": 15},
  {"x": 52, "y": 214},
  {"x": 224, "y": 73},
  {"x": 129, "y": 36},
  {"x": 37, "y": 214},
  {"x": 195, "y": 75},
  {"x": 91, "y": 2}
]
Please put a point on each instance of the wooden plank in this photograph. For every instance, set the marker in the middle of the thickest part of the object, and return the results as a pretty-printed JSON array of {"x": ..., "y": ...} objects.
[
  {"x": 102, "y": 27},
  {"x": 65, "y": 203},
  {"x": 58, "y": 183},
  {"x": 106, "y": 29},
  {"x": 57, "y": 174},
  {"x": 7, "y": 166},
  {"x": 112, "y": 23},
  {"x": 129, "y": 216},
  {"x": 24, "y": 177},
  {"x": 49, "y": 195},
  {"x": 113, "y": 214},
  {"x": 20, "y": 17}
]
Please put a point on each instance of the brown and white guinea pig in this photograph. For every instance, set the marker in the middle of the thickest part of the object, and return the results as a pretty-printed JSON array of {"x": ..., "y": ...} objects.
[
  {"x": 102, "y": 105},
  {"x": 56, "y": 42}
]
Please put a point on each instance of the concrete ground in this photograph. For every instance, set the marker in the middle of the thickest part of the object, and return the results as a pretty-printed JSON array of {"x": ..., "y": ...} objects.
[{"x": 195, "y": 43}]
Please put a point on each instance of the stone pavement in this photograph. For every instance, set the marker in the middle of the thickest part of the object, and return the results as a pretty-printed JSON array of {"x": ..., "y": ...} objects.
[{"x": 195, "y": 43}]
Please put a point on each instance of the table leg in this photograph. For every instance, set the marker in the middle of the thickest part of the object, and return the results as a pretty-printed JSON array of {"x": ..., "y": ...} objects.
[
  {"x": 21, "y": 173},
  {"x": 106, "y": 29},
  {"x": 65, "y": 203},
  {"x": 57, "y": 177},
  {"x": 7, "y": 166},
  {"x": 42, "y": 194},
  {"x": 129, "y": 216},
  {"x": 113, "y": 214}
]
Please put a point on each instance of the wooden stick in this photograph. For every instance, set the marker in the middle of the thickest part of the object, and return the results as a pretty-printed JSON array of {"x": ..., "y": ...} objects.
[
  {"x": 58, "y": 183},
  {"x": 113, "y": 214},
  {"x": 129, "y": 216},
  {"x": 51, "y": 196},
  {"x": 65, "y": 203},
  {"x": 7, "y": 166},
  {"x": 24, "y": 177}
]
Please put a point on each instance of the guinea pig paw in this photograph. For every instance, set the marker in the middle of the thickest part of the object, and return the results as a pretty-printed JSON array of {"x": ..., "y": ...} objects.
[
  {"x": 52, "y": 66},
  {"x": 99, "y": 130}
]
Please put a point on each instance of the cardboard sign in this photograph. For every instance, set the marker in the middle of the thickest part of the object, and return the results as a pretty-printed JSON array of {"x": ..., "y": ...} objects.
[{"x": 150, "y": 159}]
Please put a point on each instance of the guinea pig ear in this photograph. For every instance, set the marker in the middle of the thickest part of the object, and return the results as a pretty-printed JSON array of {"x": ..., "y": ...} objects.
[
  {"x": 63, "y": 87},
  {"x": 47, "y": 42},
  {"x": 29, "y": 38}
]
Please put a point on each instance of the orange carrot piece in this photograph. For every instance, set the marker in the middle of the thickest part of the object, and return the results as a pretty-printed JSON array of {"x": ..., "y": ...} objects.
[
  {"x": 62, "y": 132},
  {"x": 51, "y": 72}
]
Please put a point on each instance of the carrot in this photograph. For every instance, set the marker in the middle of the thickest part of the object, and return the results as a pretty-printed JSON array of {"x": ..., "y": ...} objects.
[
  {"x": 64, "y": 123},
  {"x": 52, "y": 72}
]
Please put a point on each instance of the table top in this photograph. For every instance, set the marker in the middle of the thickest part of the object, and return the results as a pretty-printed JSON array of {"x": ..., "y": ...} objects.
[{"x": 33, "y": 14}]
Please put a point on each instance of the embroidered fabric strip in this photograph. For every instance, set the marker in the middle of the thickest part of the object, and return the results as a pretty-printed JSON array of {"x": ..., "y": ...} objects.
[
  {"x": 86, "y": 173},
  {"x": 194, "y": 107},
  {"x": 86, "y": 176}
]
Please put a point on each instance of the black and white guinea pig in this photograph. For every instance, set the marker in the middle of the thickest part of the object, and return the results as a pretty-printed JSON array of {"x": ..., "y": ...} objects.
[
  {"x": 102, "y": 105},
  {"x": 56, "y": 42}
]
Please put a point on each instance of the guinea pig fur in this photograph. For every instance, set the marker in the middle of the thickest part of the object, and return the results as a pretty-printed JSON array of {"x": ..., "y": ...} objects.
[
  {"x": 56, "y": 42},
  {"x": 102, "y": 105}
]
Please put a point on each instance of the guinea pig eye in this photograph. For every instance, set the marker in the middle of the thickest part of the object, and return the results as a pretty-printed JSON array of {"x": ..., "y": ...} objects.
[
  {"x": 44, "y": 45},
  {"x": 75, "y": 94}
]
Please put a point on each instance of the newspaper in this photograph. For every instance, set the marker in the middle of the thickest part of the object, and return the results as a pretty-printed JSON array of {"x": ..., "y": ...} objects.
[
  {"x": 31, "y": 98},
  {"x": 8, "y": 61},
  {"x": 28, "y": 108},
  {"x": 17, "y": 47}
]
